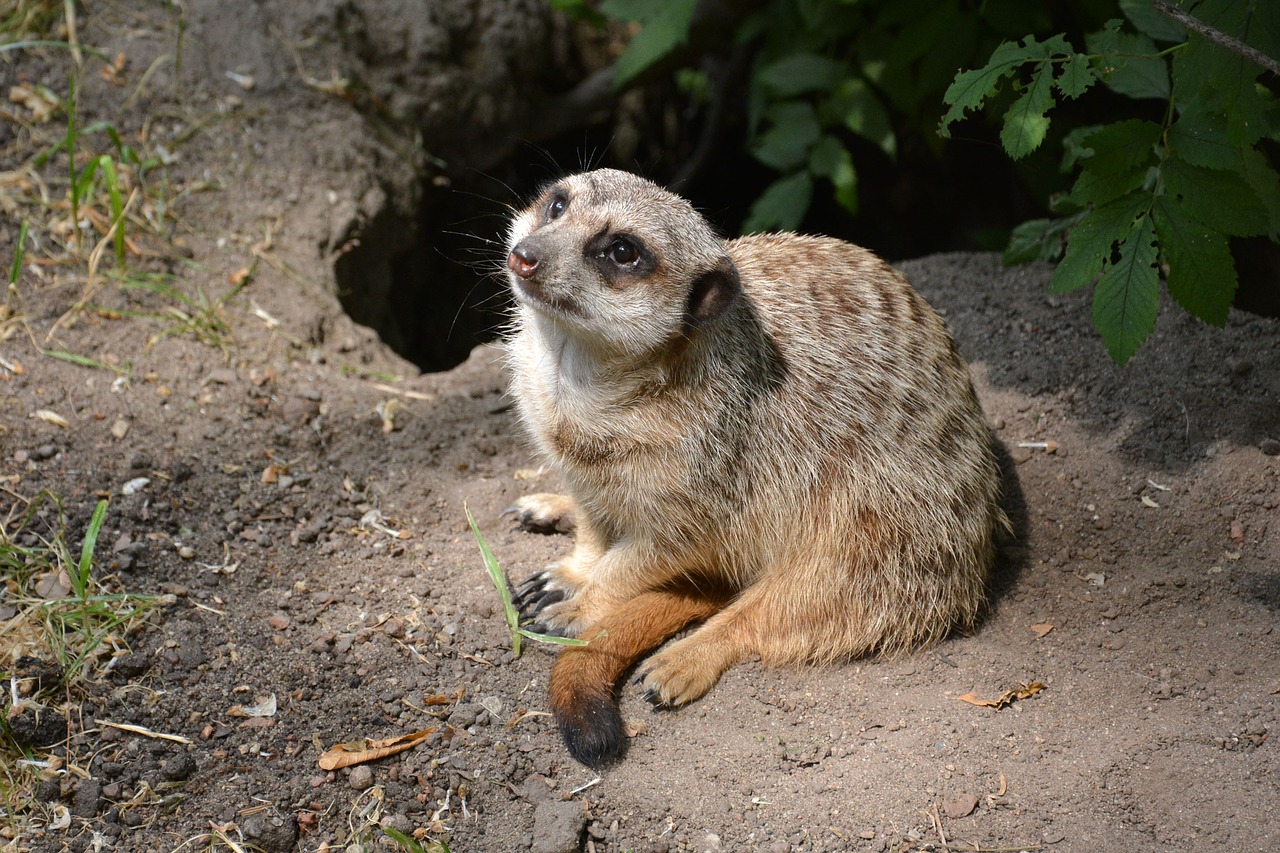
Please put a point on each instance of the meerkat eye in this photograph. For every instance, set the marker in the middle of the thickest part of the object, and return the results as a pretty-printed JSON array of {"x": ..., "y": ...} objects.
[
  {"x": 556, "y": 206},
  {"x": 623, "y": 252}
]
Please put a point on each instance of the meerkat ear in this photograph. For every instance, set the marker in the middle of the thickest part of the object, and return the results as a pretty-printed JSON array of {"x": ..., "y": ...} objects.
[{"x": 711, "y": 293}]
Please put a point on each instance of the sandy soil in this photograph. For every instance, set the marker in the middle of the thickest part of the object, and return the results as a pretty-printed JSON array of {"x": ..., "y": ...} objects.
[{"x": 306, "y": 552}]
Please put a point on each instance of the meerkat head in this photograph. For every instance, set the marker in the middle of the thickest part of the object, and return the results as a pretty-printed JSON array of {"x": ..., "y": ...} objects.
[{"x": 618, "y": 262}]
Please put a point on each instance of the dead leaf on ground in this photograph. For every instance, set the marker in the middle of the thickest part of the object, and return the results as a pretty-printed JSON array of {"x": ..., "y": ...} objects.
[
  {"x": 347, "y": 754},
  {"x": 263, "y": 706},
  {"x": 1041, "y": 628},
  {"x": 51, "y": 417},
  {"x": 1023, "y": 691},
  {"x": 113, "y": 73},
  {"x": 39, "y": 99},
  {"x": 442, "y": 699},
  {"x": 273, "y": 472}
]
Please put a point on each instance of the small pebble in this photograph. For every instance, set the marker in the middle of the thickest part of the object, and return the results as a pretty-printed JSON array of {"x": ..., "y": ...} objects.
[{"x": 361, "y": 778}]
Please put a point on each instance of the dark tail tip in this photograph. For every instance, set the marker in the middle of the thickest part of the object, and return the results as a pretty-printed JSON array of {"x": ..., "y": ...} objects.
[{"x": 592, "y": 728}]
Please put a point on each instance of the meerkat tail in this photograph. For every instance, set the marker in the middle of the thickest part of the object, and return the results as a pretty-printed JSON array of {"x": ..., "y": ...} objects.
[{"x": 584, "y": 676}]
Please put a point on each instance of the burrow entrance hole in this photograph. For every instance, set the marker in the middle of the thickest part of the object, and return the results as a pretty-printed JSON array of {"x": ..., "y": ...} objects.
[{"x": 436, "y": 300}]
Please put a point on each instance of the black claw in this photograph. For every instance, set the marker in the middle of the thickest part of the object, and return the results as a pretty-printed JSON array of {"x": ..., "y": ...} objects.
[
  {"x": 542, "y": 628},
  {"x": 530, "y": 586},
  {"x": 639, "y": 679},
  {"x": 509, "y": 510},
  {"x": 651, "y": 696},
  {"x": 540, "y": 579},
  {"x": 543, "y": 600}
]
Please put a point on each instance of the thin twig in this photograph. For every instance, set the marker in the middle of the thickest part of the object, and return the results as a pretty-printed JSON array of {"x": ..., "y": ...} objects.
[
  {"x": 937, "y": 826},
  {"x": 1230, "y": 43}
]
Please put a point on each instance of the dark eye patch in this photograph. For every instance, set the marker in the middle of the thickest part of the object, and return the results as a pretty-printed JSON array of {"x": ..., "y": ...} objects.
[
  {"x": 620, "y": 256},
  {"x": 556, "y": 205}
]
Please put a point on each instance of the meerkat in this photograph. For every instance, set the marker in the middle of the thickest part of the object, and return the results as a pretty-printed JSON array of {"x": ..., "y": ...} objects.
[{"x": 773, "y": 436}]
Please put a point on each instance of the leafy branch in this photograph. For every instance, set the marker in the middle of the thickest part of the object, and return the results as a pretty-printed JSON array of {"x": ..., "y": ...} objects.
[{"x": 1149, "y": 197}]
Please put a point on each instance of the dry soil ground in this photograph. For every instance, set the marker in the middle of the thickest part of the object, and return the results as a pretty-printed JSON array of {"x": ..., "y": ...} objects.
[{"x": 302, "y": 521}]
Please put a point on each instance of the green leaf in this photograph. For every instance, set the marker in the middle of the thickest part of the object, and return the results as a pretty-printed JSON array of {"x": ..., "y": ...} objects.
[
  {"x": 1220, "y": 199},
  {"x": 1128, "y": 63},
  {"x": 1261, "y": 175},
  {"x": 1076, "y": 76},
  {"x": 1127, "y": 298},
  {"x": 831, "y": 160},
  {"x": 579, "y": 10},
  {"x": 1114, "y": 158},
  {"x": 1209, "y": 77},
  {"x": 781, "y": 206},
  {"x": 857, "y": 106},
  {"x": 1026, "y": 122},
  {"x": 1202, "y": 273},
  {"x": 1199, "y": 136},
  {"x": 793, "y": 131},
  {"x": 1091, "y": 243},
  {"x": 1146, "y": 20},
  {"x": 666, "y": 27},
  {"x": 971, "y": 88},
  {"x": 1039, "y": 240},
  {"x": 801, "y": 73}
]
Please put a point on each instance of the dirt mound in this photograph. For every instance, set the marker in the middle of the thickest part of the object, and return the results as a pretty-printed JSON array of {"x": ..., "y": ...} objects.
[{"x": 293, "y": 494}]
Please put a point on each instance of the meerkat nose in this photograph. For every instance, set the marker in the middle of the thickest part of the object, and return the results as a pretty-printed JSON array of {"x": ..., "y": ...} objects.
[{"x": 522, "y": 261}]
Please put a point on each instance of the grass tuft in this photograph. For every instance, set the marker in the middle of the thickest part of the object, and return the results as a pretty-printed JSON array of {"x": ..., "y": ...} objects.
[{"x": 68, "y": 622}]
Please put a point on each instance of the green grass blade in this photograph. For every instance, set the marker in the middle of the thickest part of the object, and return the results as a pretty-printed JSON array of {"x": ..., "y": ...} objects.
[
  {"x": 108, "y": 170},
  {"x": 81, "y": 580},
  {"x": 551, "y": 638},
  {"x": 19, "y": 252},
  {"x": 499, "y": 582},
  {"x": 83, "y": 361}
]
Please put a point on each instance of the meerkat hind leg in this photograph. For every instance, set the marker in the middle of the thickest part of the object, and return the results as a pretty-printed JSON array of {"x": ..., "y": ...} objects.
[{"x": 772, "y": 619}]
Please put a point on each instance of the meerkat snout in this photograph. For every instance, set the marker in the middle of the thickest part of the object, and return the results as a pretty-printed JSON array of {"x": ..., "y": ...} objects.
[{"x": 523, "y": 260}]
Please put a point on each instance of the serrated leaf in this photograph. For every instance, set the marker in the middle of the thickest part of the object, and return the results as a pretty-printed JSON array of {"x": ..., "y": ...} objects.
[
  {"x": 1202, "y": 273},
  {"x": 793, "y": 130},
  {"x": 1076, "y": 76},
  {"x": 1208, "y": 77},
  {"x": 1126, "y": 301},
  {"x": 971, "y": 88},
  {"x": 666, "y": 26},
  {"x": 1261, "y": 175},
  {"x": 1090, "y": 244},
  {"x": 1026, "y": 122},
  {"x": 1128, "y": 63},
  {"x": 1199, "y": 136},
  {"x": 1115, "y": 159},
  {"x": 1218, "y": 198},
  {"x": 1146, "y": 20},
  {"x": 781, "y": 206},
  {"x": 1039, "y": 240},
  {"x": 801, "y": 73}
]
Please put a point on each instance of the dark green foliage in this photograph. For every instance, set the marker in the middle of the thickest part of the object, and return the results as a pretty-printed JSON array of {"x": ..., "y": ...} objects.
[
  {"x": 1149, "y": 196},
  {"x": 1153, "y": 194}
]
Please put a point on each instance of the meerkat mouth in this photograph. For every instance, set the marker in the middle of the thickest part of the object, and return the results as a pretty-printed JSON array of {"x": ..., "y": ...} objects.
[{"x": 532, "y": 293}]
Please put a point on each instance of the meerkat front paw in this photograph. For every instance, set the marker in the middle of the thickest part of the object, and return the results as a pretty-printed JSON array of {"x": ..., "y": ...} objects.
[
  {"x": 544, "y": 513},
  {"x": 553, "y": 602}
]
